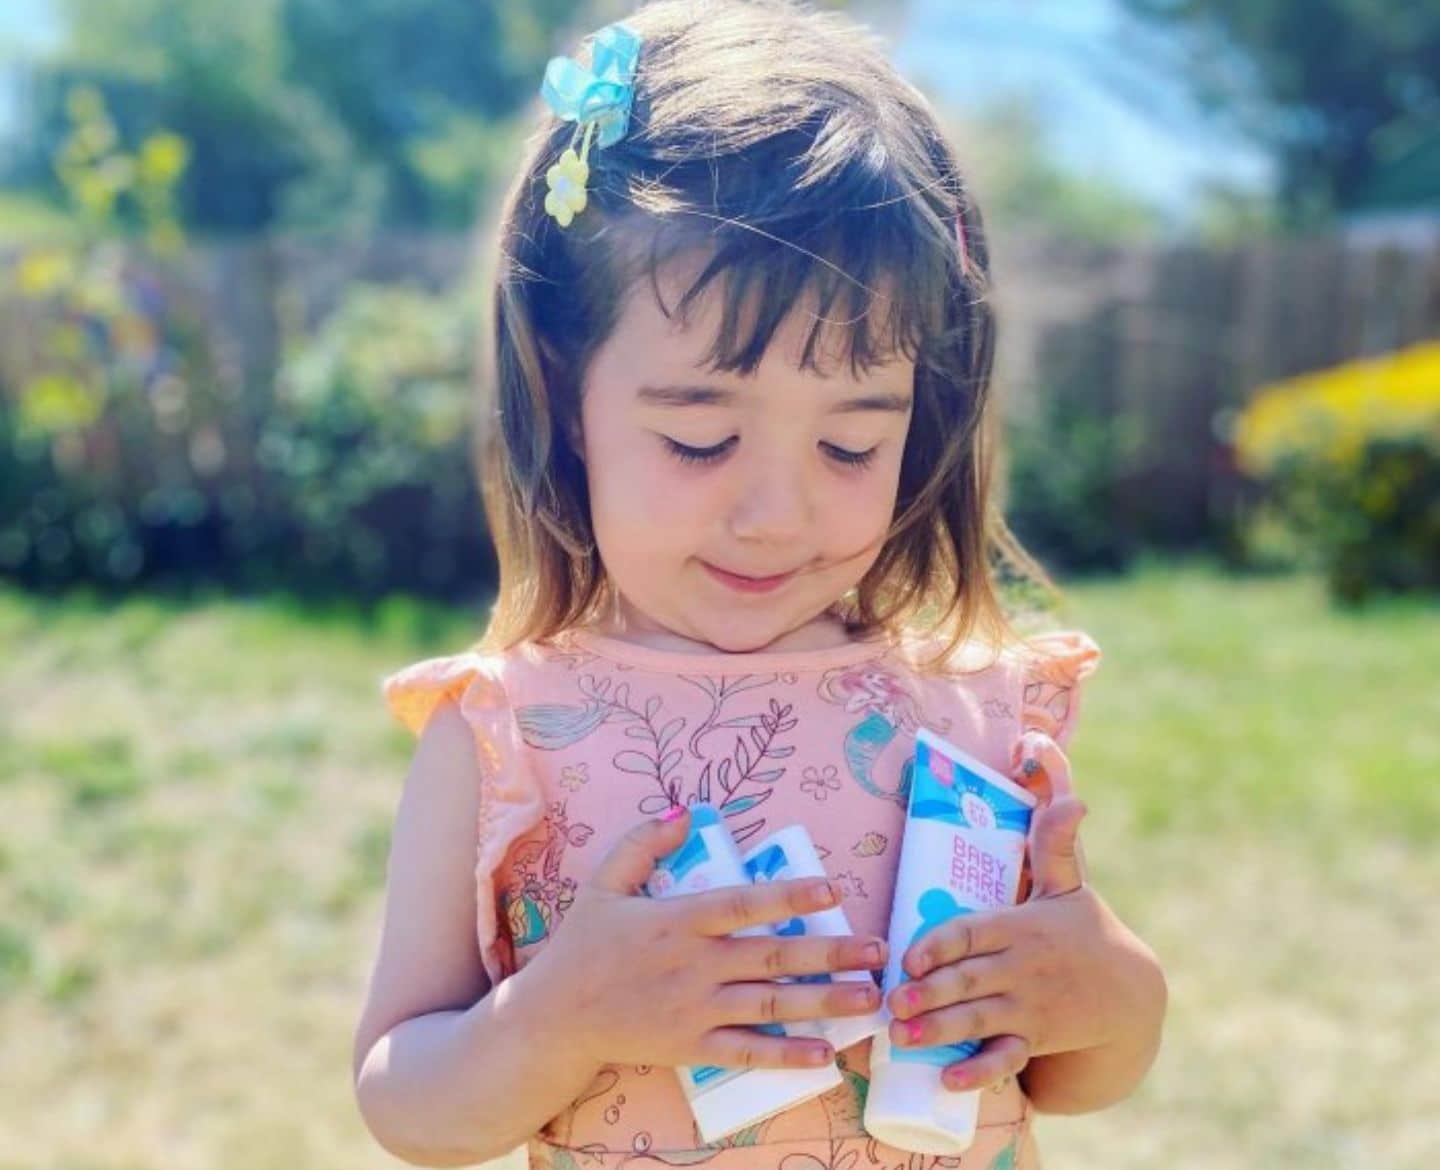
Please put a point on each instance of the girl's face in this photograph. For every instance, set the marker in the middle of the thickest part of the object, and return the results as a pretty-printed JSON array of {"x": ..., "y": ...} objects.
[{"x": 696, "y": 476}]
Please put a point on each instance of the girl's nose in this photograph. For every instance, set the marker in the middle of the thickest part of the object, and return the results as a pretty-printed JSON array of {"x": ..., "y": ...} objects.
[{"x": 774, "y": 505}]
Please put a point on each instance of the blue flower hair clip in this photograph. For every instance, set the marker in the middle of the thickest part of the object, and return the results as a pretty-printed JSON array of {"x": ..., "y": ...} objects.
[{"x": 598, "y": 101}]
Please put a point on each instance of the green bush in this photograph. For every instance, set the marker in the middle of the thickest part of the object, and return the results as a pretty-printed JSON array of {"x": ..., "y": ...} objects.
[
  {"x": 133, "y": 449},
  {"x": 367, "y": 445},
  {"x": 354, "y": 475},
  {"x": 1067, "y": 456},
  {"x": 1350, "y": 461}
]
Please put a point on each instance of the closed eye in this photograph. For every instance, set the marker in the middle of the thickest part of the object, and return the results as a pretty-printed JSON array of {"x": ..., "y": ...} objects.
[{"x": 710, "y": 454}]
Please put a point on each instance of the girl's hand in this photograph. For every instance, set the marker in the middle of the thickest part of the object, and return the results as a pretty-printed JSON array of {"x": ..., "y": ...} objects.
[
  {"x": 1027, "y": 980},
  {"x": 644, "y": 980}
]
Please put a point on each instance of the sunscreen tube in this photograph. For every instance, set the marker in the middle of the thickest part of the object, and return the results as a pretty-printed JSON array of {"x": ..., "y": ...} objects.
[
  {"x": 964, "y": 844},
  {"x": 790, "y": 853},
  {"x": 726, "y": 1099}
]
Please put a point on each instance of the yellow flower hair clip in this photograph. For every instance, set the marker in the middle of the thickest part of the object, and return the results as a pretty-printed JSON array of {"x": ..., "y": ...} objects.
[{"x": 597, "y": 99}]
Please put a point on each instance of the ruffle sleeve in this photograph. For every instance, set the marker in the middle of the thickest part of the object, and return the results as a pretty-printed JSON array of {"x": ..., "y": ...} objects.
[
  {"x": 1052, "y": 668},
  {"x": 510, "y": 801}
]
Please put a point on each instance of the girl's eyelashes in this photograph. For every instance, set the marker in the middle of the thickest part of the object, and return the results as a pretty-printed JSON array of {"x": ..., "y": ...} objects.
[
  {"x": 851, "y": 458},
  {"x": 711, "y": 454}
]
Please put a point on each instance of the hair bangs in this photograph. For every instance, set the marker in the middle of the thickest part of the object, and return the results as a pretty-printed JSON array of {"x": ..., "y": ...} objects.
[{"x": 849, "y": 240}]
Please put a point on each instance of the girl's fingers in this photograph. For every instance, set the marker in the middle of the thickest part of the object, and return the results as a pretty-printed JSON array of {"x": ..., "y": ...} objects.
[
  {"x": 771, "y": 957},
  {"x": 976, "y": 1019},
  {"x": 951, "y": 984},
  {"x": 959, "y": 938},
  {"x": 732, "y": 908},
  {"x": 770, "y": 1002},
  {"x": 749, "y": 1048},
  {"x": 632, "y": 859},
  {"x": 999, "y": 1057},
  {"x": 1055, "y": 864}
]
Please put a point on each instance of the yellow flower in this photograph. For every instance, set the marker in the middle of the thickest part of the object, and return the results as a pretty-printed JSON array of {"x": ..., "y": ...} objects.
[
  {"x": 41, "y": 273},
  {"x": 566, "y": 180},
  {"x": 1332, "y": 414}
]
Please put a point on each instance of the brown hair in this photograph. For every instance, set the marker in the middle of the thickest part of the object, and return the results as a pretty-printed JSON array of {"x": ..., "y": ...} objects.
[{"x": 781, "y": 141}]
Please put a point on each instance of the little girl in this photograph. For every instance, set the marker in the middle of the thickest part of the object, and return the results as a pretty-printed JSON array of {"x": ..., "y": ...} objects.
[{"x": 738, "y": 471}]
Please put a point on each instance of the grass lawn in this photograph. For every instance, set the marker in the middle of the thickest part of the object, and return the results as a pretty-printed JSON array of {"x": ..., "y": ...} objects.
[{"x": 197, "y": 802}]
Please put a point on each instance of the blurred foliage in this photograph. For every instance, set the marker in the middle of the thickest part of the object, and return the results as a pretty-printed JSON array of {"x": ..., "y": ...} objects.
[
  {"x": 131, "y": 454},
  {"x": 1021, "y": 185},
  {"x": 1338, "y": 89},
  {"x": 354, "y": 478},
  {"x": 82, "y": 334},
  {"x": 324, "y": 115},
  {"x": 1352, "y": 457},
  {"x": 1064, "y": 490},
  {"x": 1066, "y": 456},
  {"x": 311, "y": 113},
  {"x": 107, "y": 186},
  {"x": 366, "y": 448}
]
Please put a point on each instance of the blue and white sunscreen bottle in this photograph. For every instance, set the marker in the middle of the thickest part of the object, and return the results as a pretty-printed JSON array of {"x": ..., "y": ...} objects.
[
  {"x": 964, "y": 844},
  {"x": 724, "y": 1100},
  {"x": 790, "y": 853}
]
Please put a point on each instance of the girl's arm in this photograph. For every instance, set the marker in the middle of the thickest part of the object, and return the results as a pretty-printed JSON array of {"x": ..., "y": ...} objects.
[
  {"x": 453, "y": 1088},
  {"x": 447, "y": 1070}
]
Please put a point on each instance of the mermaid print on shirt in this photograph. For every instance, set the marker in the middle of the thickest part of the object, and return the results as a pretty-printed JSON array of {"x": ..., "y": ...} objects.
[
  {"x": 537, "y": 895},
  {"x": 885, "y": 708}
]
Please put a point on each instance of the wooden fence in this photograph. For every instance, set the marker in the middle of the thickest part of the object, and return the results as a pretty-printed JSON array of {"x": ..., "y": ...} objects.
[
  {"x": 1176, "y": 339},
  {"x": 1172, "y": 339}
]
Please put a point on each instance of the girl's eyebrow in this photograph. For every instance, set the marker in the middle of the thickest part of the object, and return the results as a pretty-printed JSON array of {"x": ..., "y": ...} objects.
[{"x": 719, "y": 396}]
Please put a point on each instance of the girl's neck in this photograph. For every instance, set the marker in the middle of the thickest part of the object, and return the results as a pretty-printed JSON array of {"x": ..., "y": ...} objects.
[{"x": 623, "y": 623}]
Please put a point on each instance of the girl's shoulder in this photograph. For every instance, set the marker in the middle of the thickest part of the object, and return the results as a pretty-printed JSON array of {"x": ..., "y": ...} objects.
[
  {"x": 470, "y": 678},
  {"x": 1040, "y": 674},
  {"x": 477, "y": 679}
]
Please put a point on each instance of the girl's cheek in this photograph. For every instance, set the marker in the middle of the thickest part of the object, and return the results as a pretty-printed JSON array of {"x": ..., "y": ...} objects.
[{"x": 668, "y": 489}]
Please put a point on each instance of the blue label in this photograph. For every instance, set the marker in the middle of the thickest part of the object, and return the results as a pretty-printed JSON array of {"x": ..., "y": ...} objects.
[
  {"x": 935, "y": 907},
  {"x": 769, "y": 864},
  {"x": 692, "y": 851},
  {"x": 932, "y": 799}
]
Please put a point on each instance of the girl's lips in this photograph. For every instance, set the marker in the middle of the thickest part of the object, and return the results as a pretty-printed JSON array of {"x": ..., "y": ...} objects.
[{"x": 747, "y": 584}]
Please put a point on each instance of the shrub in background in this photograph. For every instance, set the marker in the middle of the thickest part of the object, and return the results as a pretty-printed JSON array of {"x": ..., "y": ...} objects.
[
  {"x": 1350, "y": 459},
  {"x": 132, "y": 453}
]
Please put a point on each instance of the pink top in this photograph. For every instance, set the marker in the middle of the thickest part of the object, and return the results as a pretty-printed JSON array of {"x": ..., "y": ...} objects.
[{"x": 579, "y": 739}]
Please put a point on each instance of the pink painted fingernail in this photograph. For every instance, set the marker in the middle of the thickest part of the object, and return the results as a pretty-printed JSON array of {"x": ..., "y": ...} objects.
[
  {"x": 912, "y": 998},
  {"x": 912, "y": 1031},
  {"x": 673, "y": 813}
]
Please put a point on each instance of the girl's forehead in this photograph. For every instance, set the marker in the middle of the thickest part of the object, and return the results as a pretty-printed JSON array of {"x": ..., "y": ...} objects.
[{"x": 654, "y": 343}]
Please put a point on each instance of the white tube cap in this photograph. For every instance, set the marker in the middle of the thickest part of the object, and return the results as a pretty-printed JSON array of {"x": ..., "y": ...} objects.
[{"x": 910, "y": 1108}]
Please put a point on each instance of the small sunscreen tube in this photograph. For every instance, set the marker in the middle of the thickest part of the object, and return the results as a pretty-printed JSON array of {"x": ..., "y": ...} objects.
[
  {"x": 790, "y": 853},
  {"x": 964, "y": 844},
  {"x": 727, "y": 1099}
]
